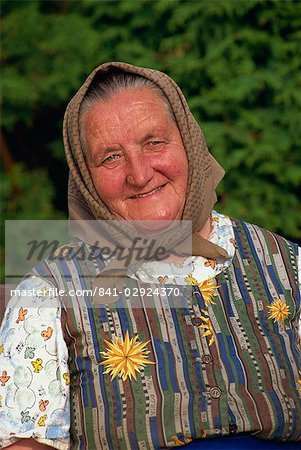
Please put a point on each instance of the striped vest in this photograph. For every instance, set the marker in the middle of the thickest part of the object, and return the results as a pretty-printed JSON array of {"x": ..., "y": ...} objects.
[{"x": 246, "y": 380}]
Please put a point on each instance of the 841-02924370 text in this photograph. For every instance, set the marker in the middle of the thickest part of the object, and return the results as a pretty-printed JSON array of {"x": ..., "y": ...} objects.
[
  {"x": 139, "y": 291},
  {"x": 97, "y": 291}
]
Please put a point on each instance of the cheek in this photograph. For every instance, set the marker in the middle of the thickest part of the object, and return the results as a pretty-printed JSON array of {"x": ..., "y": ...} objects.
[
  {"x": 180, "y": 167},
  {"x": 107, "y": 188},
  {"x": 181, "y": 176}
]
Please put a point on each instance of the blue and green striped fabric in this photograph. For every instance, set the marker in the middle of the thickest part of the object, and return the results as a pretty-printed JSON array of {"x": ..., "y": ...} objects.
[{"x": 222, "y": 367}]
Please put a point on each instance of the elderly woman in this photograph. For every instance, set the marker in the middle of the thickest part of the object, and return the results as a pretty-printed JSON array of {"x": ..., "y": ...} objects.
[{"x": 189, "y": 347}]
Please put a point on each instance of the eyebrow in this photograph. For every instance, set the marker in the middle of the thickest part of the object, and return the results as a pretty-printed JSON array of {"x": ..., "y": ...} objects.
[
  {"x": 154, "y": 134},
  {"x": 109, "y": 149},
  {"x": 147, "y": 137}
]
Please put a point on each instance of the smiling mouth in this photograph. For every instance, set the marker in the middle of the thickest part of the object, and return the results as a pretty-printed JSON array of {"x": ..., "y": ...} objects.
[{"x": 149, "y": 193}]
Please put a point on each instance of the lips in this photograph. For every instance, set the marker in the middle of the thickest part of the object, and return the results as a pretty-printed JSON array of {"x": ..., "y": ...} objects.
[{"x": 149, "y": 193}]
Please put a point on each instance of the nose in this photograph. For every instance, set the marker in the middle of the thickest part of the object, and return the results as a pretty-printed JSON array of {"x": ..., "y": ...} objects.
[{"x": 140, "y": 171}]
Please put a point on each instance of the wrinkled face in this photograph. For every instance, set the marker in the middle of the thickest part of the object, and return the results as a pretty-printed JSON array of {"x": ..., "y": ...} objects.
[{"x": 136, "y": 156}]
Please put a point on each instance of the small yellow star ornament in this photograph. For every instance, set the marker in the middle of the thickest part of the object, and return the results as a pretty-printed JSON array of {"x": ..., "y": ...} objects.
[
  {"x": 279, "y": 310},
  {"x": 126, "y": 357},
  {"x": 208, "y": 288},
  {"x": 207, "y": 327}
]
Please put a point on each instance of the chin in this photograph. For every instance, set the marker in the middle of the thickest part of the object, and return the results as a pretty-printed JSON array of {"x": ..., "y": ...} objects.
[
  {"x": 157, "y": 223},
  {"x": 154, "y": 224}
]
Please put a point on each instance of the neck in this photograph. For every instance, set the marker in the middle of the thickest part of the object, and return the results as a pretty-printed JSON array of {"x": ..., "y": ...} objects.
[{"x": 206, "y": 230}]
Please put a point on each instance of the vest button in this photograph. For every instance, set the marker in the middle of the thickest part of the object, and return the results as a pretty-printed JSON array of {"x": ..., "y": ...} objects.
[
  {"x": 232, "y": 428},
  {"x": 196, "y": 321},
  {"x": 207, "y": 359},
  {"x": 215, "y": 392}
]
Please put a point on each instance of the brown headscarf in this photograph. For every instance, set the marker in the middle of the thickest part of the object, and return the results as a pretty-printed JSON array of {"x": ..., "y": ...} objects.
[{"x": 204, "y": 171}]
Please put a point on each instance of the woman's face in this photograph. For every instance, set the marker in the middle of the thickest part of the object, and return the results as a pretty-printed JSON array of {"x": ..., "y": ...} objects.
[{"x": 136, "y": 156}]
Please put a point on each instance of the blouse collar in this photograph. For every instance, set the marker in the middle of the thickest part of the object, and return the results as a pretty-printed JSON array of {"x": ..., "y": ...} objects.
[{"x": 156, "y": 272}]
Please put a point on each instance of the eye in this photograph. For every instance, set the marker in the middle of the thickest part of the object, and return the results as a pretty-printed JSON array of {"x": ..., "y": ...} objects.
[
  {"x": 111, "y": 158},
  {"x": 152, "y": 144}
]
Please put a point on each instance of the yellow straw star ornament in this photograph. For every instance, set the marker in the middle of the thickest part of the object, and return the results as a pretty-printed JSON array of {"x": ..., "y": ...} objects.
[
  {"x": 126, "y": 357},
  {"x": 208, "y": 288},
  {"x": 279, "y": 310},
  {"x": 207, "y": 327}
]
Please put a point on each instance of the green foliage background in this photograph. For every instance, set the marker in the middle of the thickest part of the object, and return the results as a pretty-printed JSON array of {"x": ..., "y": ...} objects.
[{"x": 238, "y": 63}]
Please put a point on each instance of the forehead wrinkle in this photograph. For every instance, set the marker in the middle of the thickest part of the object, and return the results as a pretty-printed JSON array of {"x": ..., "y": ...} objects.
[
  {"x": 114, "y": 129},
  {"x": 154, "y": 106},
  {"x": 143, "y": 126},
  {"x": 102, "y": 129}
]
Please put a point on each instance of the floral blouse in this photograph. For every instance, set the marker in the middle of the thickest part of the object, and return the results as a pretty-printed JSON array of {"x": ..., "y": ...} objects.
[{"x": 34, "y": 377}]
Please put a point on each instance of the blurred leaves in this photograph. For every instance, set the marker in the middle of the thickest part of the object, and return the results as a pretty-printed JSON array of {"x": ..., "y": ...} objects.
[
  {"x": 27, "y": 195},
  {"x": 44, "y": 57}
]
